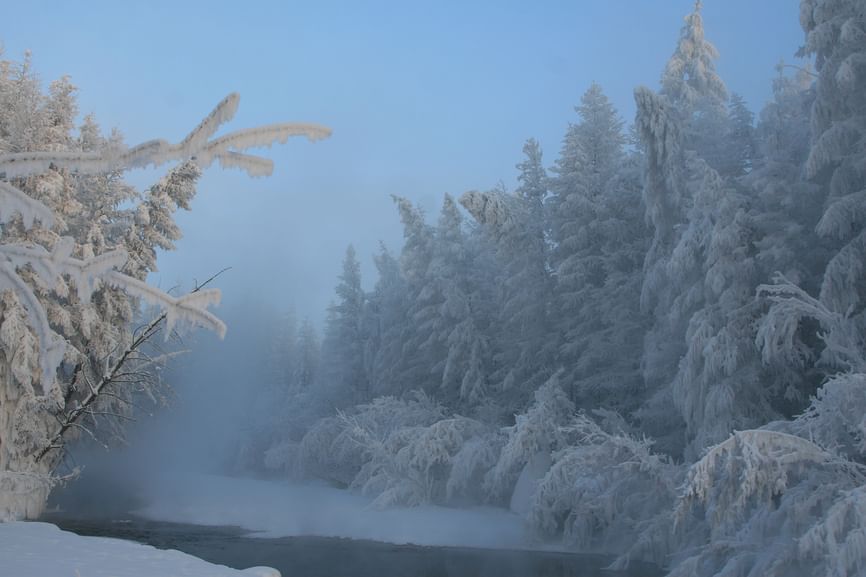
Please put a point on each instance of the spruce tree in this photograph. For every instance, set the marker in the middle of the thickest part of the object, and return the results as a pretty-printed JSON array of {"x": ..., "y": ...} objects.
[
  {"x": 598, "y": 238},
  {"x": 344, "y": 381}
]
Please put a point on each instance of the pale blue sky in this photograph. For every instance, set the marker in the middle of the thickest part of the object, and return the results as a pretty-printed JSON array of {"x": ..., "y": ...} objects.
[{"x": 424, "y": 98}]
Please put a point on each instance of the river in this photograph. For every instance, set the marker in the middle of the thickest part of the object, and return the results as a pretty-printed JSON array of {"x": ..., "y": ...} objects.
[{"x": 337, "y": 557}]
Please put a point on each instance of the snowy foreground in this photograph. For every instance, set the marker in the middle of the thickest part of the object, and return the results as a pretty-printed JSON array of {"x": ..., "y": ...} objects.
[
  {"x": 42, "y": 550},
  {"x": 282, "y": 509}
]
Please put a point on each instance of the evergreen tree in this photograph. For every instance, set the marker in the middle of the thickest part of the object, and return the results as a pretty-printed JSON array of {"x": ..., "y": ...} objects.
[
  {"x": 526, "y": 345},
  {"x": 832, "y": 263},
  {"x": 423, "y": 300},
  {"x": 741, "y": 147},
  {"x": 386, "y": 326},
  {"x": 697, "y": 94},
  {"x": 836, "y": 35},
  {"x": 283, "y": 354},
  {"x": 597, "y": 236},
  {"x": 785, "y": 211},
  {"x": 447, "y": 276},
  {"x": 689, "y": 79},
  {"x": 719, "y": 386},
  {"x": 306, "y": 366},
  {"x": 510, "y": 285},
  {"x": 534, "y": 184},
  {"x": 344, "y": 381}
]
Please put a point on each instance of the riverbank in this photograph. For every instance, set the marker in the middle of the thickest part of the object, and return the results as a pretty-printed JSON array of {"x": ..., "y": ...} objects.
[{"x": 35, "y": 549}]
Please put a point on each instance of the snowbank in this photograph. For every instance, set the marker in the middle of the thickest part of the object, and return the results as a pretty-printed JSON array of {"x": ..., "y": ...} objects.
[
  {"x": 282, "y": 509},
  {"x": 42, "y": 550}
]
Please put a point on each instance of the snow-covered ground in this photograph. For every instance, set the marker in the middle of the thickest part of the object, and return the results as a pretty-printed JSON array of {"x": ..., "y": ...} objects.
[
  {"x": 42, "y": 550},
  {"x": 283, "y": 509}
]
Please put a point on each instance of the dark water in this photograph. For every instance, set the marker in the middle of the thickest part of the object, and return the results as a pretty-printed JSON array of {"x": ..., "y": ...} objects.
[{"x": 331, "y": 557}]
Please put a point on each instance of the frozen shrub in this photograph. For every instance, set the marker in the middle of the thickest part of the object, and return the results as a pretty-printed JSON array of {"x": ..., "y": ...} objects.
[
  {"x": 607, "y": 491},
  {"x": 536, "y": 431}
]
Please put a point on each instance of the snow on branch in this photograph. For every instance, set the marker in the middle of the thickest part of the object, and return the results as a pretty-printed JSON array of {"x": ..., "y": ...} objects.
[
  {"x": 23, "y": 493},
  {"x": 195, "y": 146},
  {"x": 843, "y": 215},
  {"x": 50, "y": 266},
  {"x": 223, "y": 112},
  {"x": 190, "y": 308},
  {"x": 844, "y": 275},
  {"x": 494, "y": 208},
  {"x": 658, "y": 127},
  {"x": 769, "y": 503},
  {"x": 252, "y": 165},
  {"x": 777, "y": 332},
  {"x": 839, "y": 538},
  {"x": 51, "y": 346},
  {"x": 836, "y": 417},
  {"x": 265, "y": 136},
  {"x": 750, "y": 466},
  {"x": 13, "y": 201},
  {"x": 834, "y": 143},
  {"x": 607, "y": 491},
  {"x": 85, "y": 274}
]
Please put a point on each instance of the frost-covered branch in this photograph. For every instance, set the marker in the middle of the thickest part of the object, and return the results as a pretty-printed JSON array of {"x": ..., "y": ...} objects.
[
  {"x": 13, "y": 201},
  {"x": 114, "y": 374},
  {"x": 777, "y": 333},
  {"x": 197, "y": 146}
]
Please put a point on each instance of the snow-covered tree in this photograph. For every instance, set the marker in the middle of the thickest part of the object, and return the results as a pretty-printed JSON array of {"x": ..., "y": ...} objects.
[
  {"x": 306, "y": 366},
  {"x": 718, "y": 386},
  {"x": 740, "y": 142},
  {"x": 297, "y": 408},
  {"x": 768, "y": 503},
  {"x": 344, "y": 380},
  {"x": 423, "y": 301},
  {"x": 787, "y": 206},
  {"x": 663, "y": 194},
  {"x": 531, "y": 440},
  {"x": 442, "y": 304},
  {"x": 598, "y": 248},
  {"x": 829, "y": 261},
  {"x": 700, "y": 271},
  {"x": 331, "y": 449},
  {"x": 689, "y": 77},
  {"x": 386, "y": 319},
  {"x": 843, "y": 358},
  {"x": 512, "y": 291},
  {"x": 524, "y": 255},
  {"x": 697, "y": 93},
  {"x": 700, "y": 280},
  {"x": 785, "y": 211},
  {"x": 457, "y": 328},
  {"x": 283, "y": 351},
  {"x": 607, "y": 492},
  {"x": 836, "y": 35},
  {"x": 413, "y": 465},
  {"x": 71, "y": 283}
]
